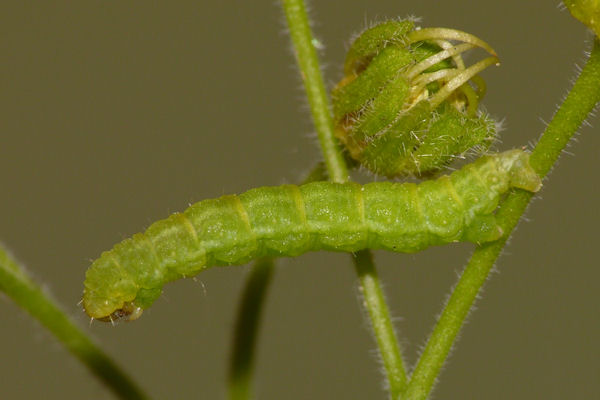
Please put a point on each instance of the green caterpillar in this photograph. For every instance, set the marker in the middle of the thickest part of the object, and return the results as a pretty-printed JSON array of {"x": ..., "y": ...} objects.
[
  {"x": 406, "y": 105},
  {"x": 290, "y": 220}
]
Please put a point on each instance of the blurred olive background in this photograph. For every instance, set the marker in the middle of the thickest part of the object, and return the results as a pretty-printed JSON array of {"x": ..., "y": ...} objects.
[{"x": 115, "y": 114}]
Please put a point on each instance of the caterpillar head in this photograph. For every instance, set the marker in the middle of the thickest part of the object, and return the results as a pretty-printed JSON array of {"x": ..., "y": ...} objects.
[
  {"x": 110, "y": 294},
  {"x": 112, "y": 308},
  {"x": 109, "y": 309},
  {"x": 107, "y": 303},
  {"x": 408, "y": 104}
]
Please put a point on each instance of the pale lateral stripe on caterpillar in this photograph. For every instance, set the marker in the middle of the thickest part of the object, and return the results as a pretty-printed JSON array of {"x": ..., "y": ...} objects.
[{"x": 290, "y": 220}]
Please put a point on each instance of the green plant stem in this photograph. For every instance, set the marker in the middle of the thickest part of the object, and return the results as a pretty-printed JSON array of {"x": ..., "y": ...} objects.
[
  {"x": 377, "y": 308},
  {"x": 15, "y": 282},
  {"x": 246, "y": 329},
  {"x": 581, "y": 100},
  {"x": 374, "y": 302},
  {"x": 306, "y": 56}
]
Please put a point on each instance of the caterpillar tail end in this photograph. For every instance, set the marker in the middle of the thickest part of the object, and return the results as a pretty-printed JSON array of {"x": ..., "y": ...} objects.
[{"x": 522, "y": 175}]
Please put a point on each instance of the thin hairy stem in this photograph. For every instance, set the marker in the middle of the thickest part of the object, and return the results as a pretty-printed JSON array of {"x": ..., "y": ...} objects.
[
  {"x": 580, "y": 101},
  {"x": 374, "y": 302},
  {"x": 16, "y": 283},
  {"x": 306, "y": 56}
]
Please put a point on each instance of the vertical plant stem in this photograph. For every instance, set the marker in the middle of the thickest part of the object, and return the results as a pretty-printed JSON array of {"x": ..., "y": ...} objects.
[
  {"x": 308, "y": 62},
  {"x": 306, "y": 57},
  {"x": 581, "y": 100},
  {"x": 15, "y": 282},
  {"x": 246, "y": 329},
  {"x": 374, "y": 302}
]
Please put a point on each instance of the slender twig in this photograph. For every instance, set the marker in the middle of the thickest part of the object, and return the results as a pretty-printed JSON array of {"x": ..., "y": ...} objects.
[
  {"x": 580, "y": 101},
  {"x": 306, "y": 56},
  {"x": 377, "y": 308},
  {"x": 374, "y": 302},
  {"x": 16, "y": 283}
]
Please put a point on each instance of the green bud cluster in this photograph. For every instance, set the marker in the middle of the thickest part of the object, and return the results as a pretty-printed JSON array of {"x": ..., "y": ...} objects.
[{"x": 407, "y": 104}]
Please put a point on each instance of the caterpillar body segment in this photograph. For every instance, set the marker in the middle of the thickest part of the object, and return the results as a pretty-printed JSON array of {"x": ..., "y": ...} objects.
[{"x": 290, "y": 220}]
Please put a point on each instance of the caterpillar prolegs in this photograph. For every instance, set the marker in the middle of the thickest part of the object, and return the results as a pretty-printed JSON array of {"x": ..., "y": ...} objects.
[{"x": 290, "y": 220}]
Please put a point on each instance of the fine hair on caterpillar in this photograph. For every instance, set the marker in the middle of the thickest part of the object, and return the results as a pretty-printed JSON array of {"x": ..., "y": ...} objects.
[{"x": 290, "y": 220}]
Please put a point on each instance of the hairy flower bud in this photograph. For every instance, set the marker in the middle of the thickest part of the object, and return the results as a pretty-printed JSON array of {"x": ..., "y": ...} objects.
[{"x": 407, "y": 104}]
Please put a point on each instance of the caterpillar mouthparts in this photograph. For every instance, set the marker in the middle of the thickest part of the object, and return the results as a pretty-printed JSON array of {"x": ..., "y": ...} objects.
[{"x": 129, "y": 312}]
